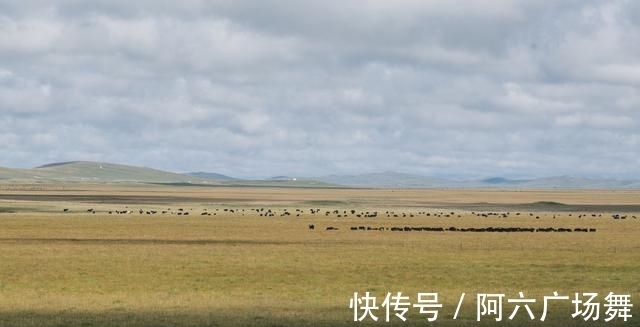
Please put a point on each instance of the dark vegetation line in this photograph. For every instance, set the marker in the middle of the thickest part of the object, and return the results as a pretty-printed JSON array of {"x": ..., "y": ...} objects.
[{"x": 474, "y": 229}]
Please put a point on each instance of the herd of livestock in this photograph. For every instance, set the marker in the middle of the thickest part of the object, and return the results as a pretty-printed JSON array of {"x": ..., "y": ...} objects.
[{"x": 353, "y": 213}]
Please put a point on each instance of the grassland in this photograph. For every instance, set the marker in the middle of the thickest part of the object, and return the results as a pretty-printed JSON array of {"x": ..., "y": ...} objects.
[{"x": 78, "y": 268}]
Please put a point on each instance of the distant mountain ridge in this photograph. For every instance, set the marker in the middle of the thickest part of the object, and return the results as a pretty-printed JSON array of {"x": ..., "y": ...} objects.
[
  {"x": 503, "y": 181},
  {"x": 102, "y": 172},
  {"x": 384, "y": 179},
  {"x": 212, "y": 176},
  {"x": 391, "y": 179},
  {"x": 580, "y": 182}
]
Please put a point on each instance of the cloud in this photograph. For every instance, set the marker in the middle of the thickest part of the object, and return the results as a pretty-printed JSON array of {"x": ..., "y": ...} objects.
[
  {"x": 253, "y": 89},
  {"x": 518, "y": 99},
  {"x": 27, "y": 36},
  {"x": 595, "y": 120},
  {"x": 619, "y": 73},
  {"x": 21, "y": 96}
]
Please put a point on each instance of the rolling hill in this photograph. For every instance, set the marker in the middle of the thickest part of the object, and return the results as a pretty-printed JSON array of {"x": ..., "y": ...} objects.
[
  {"x": 102, "y": 172},
  {"x": 99, "y": 172},
  {"x": 213, "y": 176}
]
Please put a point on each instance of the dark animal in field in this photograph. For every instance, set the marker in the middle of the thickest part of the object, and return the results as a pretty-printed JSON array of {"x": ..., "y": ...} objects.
[
  {"x": 312, "y": 227},
  {"x": 332, "y": 228}
]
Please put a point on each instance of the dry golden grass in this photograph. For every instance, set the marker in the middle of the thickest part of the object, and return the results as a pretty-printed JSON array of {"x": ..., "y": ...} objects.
[{"x": 83, "y": 269}]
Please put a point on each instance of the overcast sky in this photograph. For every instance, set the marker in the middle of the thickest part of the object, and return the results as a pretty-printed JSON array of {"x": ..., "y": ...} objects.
[{"x": 307, "y": 88}]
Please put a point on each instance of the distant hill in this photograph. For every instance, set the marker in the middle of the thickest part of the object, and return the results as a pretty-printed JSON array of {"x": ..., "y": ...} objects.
[
  {"x": 401, "y": 180},
  {"x": 14, "y": 174},
  {"x": 281, "y": 178},
  {"x": 275, "y": 181},
  {"x": 503, "y": 181},
  {"x": 385, "y": 179},
  {"x": 99, "y": 172},
  {"x": 580, "y": 182},
  {"x": 213, "y": 176},
  {"x": 102, "y": 172},
  {"x": 291, "y": 182}
]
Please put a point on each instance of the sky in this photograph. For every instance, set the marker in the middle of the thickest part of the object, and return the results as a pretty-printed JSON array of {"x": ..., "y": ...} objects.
[{"x": 451, "y": 88}]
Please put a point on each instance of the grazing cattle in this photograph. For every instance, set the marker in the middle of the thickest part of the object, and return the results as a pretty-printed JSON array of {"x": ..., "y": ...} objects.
[
  {"x": 332, "y": 228},
  {"x": 312, "y": 227},
  {"x": 67, "y": 210}
]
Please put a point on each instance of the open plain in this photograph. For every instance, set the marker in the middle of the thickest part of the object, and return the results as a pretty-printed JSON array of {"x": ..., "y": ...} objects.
[{"x": 158, "y": 255}]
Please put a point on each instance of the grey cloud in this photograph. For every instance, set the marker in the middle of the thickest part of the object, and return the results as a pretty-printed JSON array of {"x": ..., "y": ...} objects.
[{"x": 254, "y": 88}]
